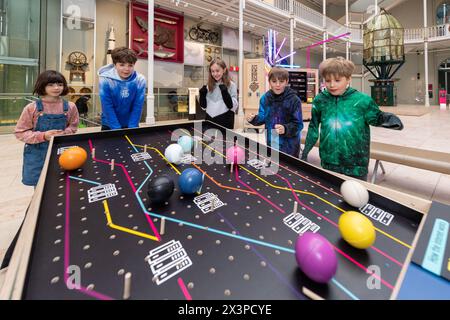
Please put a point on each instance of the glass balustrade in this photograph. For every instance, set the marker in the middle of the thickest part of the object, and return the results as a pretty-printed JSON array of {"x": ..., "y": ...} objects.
[{"x": 168, "y": 106}]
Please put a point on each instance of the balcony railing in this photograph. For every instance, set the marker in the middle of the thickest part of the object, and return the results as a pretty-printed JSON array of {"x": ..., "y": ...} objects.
[
  {"x": 315, "y": 19},
  {"x": 433, "y": 33}
]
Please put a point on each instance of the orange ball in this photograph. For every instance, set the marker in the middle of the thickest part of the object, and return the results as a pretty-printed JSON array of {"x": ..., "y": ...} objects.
[{"x": 72, "y": 158}]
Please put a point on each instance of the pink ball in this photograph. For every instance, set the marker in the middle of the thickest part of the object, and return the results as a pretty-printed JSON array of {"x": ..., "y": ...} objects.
[
  {"x": 316, "y": 257},
  {"x": 235, "y": 155}
]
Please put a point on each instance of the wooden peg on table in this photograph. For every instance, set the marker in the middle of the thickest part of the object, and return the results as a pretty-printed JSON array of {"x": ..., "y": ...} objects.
[
  {"x": 310, "y": 294},
  {"x": 163, "y": 226},
  {"x": 127, "y": 286}
]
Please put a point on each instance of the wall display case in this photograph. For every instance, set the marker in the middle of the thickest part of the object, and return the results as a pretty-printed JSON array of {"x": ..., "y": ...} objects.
[
  {"x": 168, "y": 41},
  {"x": 77, "y": 46},
  {"x": 202, "y": 32},
  {"x": 254, "y": 86},
  {"x": 212, "y": 52},
  {"x": 298, "y": 82},
  {"x": 306, "y": 83}
]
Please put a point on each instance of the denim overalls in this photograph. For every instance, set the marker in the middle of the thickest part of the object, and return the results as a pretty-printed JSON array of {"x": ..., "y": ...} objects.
[{"x": 34, "y": 154}]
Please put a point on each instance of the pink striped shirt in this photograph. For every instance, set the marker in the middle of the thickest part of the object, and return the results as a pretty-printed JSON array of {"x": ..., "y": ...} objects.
[{"x": 28, "y": 121}]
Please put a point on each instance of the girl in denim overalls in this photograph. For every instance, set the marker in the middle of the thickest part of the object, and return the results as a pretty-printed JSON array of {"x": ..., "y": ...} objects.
[{"x": 50, "y": 115}]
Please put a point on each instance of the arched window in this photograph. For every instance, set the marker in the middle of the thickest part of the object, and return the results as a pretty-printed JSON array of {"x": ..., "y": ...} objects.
[{"x": 443, "y": 13}]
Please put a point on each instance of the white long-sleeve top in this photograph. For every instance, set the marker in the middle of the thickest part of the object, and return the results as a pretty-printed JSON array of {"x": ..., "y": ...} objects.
[{"x": 214, "y": 101}]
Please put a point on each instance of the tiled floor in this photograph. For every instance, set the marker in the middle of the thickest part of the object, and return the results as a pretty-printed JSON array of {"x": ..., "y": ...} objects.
[{"x": 430, "y": 131}]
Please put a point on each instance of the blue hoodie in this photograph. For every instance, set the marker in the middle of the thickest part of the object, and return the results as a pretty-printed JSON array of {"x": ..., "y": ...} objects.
[
  {"x": 285, "y": 109},
  {"x": 122, "y": 100}
]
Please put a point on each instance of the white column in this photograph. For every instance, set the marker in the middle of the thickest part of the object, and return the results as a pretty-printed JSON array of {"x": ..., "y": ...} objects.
[
  {"x": 425, "y": 52},
  {"x": 376, "y": 7},
  {"x": 347, "y": 41},
  {"x": 150, "y": 119},
  {"x": 362, "y": 80},
  {"x": 291, "y": 35},
  {"x": 324, "y": 25},
  {"x": 241, "y": 62}
]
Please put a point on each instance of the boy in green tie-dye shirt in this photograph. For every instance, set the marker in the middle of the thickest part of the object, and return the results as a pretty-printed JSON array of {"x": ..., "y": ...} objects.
[{"x": 344, "y": 117}]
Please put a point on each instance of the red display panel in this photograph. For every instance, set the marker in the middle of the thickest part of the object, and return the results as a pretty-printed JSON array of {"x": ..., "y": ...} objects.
[{"x": 168, "y": 40}]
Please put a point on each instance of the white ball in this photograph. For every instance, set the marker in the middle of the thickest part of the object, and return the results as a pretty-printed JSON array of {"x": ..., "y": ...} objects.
[
  {"x": 354, "y": 193},
  {"x": 174, "y": 153}
]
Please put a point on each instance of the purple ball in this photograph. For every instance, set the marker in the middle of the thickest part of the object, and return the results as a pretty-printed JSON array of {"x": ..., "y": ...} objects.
[{"x": 316, "y": 257}]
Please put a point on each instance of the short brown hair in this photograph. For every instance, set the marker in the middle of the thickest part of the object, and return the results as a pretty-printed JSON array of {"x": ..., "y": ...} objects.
[
  {"x": 278, "y": 73},
  {"x": 337, "y": 67},
  {"x": 48, "y": 77},
  {"x": 123, "y": 55}
]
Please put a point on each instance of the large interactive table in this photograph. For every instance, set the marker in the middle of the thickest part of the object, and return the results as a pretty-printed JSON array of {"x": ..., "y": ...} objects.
[{"x": 92, "y": 233}]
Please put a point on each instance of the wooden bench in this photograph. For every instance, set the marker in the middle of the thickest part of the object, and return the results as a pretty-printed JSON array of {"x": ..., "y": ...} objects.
[{"x": 412, "y": 157}]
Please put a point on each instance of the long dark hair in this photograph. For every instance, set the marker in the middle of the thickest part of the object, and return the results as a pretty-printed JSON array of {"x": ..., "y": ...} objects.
[{"x": 225, "y": 78}]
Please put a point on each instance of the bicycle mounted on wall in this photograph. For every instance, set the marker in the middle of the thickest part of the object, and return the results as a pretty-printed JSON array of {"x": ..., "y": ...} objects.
[{"x": 199, "y": 34}]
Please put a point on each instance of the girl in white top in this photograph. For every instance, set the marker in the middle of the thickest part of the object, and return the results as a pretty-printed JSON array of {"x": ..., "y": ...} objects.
[{"x": 219, "y": 98}]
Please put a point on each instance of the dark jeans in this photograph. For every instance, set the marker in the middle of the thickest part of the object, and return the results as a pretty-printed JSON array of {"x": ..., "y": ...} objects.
[{"x": 226, "y": 119}]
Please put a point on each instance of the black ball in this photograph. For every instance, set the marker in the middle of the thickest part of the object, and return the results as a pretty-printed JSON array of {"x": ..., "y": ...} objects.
[{"x": 160, "y": 189}]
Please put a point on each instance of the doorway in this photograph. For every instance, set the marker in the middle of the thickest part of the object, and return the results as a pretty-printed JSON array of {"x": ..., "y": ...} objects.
[{"x": 444, "y": 77}]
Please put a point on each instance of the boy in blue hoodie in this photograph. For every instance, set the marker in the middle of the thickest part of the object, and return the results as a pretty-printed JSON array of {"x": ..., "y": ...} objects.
[
  {"x": 280, "y": 110},
  {"x": 122, "y": 91}
]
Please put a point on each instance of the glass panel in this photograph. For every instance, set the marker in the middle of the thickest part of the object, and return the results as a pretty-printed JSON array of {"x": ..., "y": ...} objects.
[
  {"x": 19, "y": 28},
  {"x": 170, "y": 104},
  {"x": 10, "y": 109},
  {"x": 19, "y": 56}
]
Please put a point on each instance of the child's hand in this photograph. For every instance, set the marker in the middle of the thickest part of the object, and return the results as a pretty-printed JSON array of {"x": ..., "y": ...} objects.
[
  {"x": 279, "y": 128},
  {"x": 251, "y": 117},
  {"x": 50, "y": 133},
  {"x": 203, "y": 90}
]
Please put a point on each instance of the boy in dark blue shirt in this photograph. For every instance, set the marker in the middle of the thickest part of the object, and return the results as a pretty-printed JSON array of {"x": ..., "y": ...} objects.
[{"x": 280, "y": 110}]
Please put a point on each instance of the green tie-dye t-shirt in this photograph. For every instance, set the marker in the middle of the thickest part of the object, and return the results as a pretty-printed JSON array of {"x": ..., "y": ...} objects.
[{"x": 343, "y": 122}]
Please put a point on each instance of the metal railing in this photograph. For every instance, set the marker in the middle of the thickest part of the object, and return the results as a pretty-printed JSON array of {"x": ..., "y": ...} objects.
[
  {"x": 334, "y": 28},
  {"x": 305, "y": 13}
]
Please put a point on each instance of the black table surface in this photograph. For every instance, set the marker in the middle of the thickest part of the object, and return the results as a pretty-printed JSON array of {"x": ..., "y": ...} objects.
[{"x": 241, "y": 250}]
